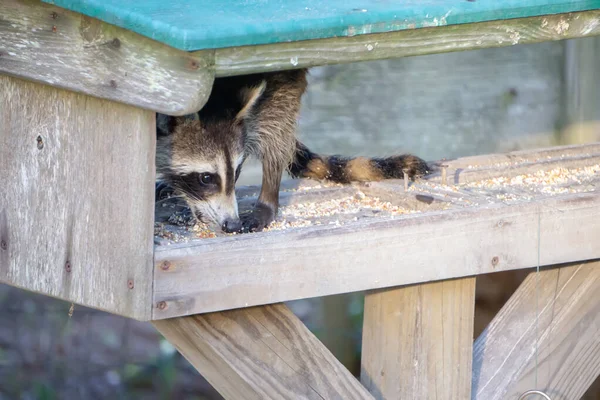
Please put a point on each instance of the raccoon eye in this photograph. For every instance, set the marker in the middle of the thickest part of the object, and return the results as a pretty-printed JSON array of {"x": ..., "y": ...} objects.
[{"x": 206, "y": 179}]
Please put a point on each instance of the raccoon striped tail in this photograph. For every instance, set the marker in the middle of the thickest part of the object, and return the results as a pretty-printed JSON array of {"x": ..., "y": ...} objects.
[{"x": 307, "y": 164}]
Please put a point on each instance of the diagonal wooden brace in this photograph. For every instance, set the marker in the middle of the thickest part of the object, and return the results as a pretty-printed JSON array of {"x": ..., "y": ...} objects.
[
  {"x": 567, "y": 301},
  {"x": 261, "y": 352}
]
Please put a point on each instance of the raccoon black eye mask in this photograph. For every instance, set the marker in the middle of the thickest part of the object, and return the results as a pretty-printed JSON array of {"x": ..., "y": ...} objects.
[{"x": 200, "y": 156}]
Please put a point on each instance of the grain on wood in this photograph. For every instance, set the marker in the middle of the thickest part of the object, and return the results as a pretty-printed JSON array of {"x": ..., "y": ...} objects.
[
  {"x": 418, "y": 341},
  {"x": 209, "y": 275},
  {"x": 489, "y": 166},
  {"x": 309, "y": 53},
  {"x": 61, "y": 48},
  {"x": 261, "y": 353},
  {"x": 566, "y": 326},
  {"x": 77, "y": 198}
]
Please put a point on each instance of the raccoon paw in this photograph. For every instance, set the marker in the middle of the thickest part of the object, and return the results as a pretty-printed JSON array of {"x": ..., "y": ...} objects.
[
  {"x": 258, "y": 219},
  {"x": 162, "y": 191}
]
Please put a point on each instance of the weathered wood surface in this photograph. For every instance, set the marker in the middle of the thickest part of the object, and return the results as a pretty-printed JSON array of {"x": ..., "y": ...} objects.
[
  {"x": 274, "y": 57},
  {"x": 568, "y": 335},
  {"x": 261, "y": 353},
  {"x": 418, "y": 341},
  {"x": 57, "y": 47},
  {"x": 497, "y": 226},
  {"x": 205, "y": 24},
  {"x": 77, "y": 197},
  {"x": 582, "y": 91}
]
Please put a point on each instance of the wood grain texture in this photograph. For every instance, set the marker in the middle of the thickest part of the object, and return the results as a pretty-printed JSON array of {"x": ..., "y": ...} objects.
[
  {"x": 202, "y": 24},
  {"x": 261, "y": 353},
  {"x": 310, "y": 53},
  {"x": 418, "y": 341},
  {"x": 247, "y": 270},
  {"x": 57, "y": 47},
  {"x": 581, "y": 121},
  {"x": 77, "y": 198},
  {"x": 568, "y": 335}
]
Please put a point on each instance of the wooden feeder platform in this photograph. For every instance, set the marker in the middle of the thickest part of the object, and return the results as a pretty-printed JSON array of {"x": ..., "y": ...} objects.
[
  {"x": 80, "y": 85},
  {"x": 332, "y": 238}
]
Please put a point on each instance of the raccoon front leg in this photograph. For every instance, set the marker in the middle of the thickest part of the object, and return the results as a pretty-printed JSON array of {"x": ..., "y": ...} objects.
[
  {"x": 271, "y": 127},
  {"x": 265, "y": 209}
]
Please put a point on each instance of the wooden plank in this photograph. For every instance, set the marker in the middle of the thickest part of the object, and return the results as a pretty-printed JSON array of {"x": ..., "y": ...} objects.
[
  {"x": 418, "y": 341},
  {"x": 246, "y": 270},
  {"x": 261, "y": 353},
  {"x": 581, "y": 120},
  {"x": 57, "y": 47},
  {"x": 195, "y": 25},
  {"x": 77, "y": 198},
  {"x": 378, "y": 46},
  {"x": 567, "y": 331}
]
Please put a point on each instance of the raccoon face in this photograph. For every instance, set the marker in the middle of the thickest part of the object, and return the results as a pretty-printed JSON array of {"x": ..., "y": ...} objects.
[
  {"x": 201, "y": 161},
  {"x": 201, "y": 155}
]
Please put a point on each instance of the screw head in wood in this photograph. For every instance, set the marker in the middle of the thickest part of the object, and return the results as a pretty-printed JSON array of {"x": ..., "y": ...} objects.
[
  {"x": 68, "y": 266},
  {"x": 130, "y": 283},
  {"x": 495, "y": 261},
  {"x": 193, "y": 64},
  {"x": 161, "y": 305},
  {"x": 40, "y": 142},
  {"x": 165, "y": 265}
]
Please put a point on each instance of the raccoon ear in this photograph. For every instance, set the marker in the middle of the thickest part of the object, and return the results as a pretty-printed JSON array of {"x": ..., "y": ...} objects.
[
  {"x": 165, "y": 125},
  {"x": 188, "y": 117},
  {"x": 250, "y": 96}
]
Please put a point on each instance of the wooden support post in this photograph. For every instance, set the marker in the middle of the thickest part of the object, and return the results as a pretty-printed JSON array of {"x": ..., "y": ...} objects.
[
  {"x": 581, "y": 121},
  {"x": 417, "y": 341},
  {"x": 261, "y": 353},
  {"x": 76, "y": 197},
  {"x": 567, "y": 330}
]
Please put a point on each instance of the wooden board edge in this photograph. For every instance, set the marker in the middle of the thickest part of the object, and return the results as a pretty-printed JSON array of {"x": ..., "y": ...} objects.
[
  {"x": 53, "y": 46},
  {"x": 236, "y": 265},
  {"x": 422, "y": 41}
]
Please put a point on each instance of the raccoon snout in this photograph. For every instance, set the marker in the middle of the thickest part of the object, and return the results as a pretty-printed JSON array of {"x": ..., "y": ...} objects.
[{"x": 231, "y": 225}]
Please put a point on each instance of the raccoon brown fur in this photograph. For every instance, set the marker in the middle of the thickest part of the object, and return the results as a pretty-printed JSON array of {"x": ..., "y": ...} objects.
[{"x": 201, "y": 156}]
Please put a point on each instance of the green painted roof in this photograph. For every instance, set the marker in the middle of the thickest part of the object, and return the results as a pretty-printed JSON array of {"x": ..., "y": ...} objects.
[{"x": 208, "y": 24}]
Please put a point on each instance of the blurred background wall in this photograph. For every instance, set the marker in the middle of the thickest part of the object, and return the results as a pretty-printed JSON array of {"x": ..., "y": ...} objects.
[{"x": 437, "y": 106}]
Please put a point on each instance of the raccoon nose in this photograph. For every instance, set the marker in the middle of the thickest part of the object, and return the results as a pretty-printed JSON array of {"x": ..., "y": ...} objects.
[{"x": 232, "y": 225}]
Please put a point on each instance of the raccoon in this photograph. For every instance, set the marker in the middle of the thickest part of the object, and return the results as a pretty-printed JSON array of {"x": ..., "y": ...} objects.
[{"x": 200, "y": 156}]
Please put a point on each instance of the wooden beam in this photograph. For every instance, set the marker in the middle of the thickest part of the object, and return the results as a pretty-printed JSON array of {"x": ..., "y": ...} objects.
[
  {"x": 261, "y": 353},
  {"x": 560, "y": 309},
  {"x": 76, "y": 197},
  {"x": 418, "y": 341},
  {"x": 246, "y": 270},
  {"x": 414, "y": 42},
  {"x": 581, "y": 120},
  {"x": 51, "y": 45}
]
